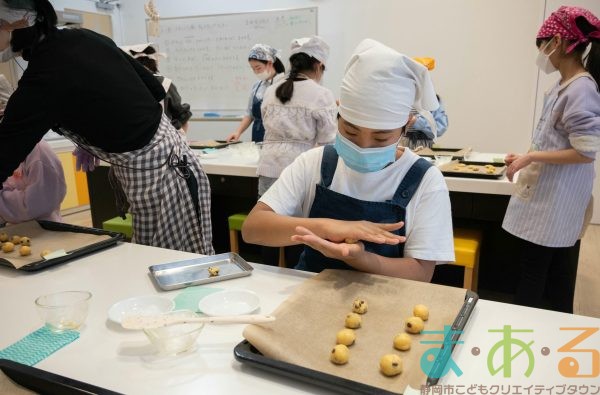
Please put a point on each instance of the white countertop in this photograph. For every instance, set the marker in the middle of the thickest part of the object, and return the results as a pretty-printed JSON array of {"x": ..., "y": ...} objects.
[
  {"x": 242, "y": 160},
  {"x": 110, "y": 357}
]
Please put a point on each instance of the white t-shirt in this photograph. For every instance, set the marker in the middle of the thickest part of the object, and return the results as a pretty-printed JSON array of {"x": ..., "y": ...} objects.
[{"x": 428, "y": 217}]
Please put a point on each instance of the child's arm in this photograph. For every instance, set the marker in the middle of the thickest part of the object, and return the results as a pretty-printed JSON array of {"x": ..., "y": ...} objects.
[
  {"x": 265, "y": 227},
  {"x": 562, "y": 157},
  {"x": 355, "y": 255}
]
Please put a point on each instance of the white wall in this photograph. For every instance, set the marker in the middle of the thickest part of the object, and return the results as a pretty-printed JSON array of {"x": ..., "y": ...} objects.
[{"x": 90, "y": 6}]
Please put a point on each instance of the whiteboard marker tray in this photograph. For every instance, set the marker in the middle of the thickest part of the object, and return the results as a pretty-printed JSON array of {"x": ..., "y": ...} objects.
[{"x": 190, "y": 272}]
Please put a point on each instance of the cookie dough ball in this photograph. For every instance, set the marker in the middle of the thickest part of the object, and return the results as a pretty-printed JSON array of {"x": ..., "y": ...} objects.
[
  {"x": 339, "y": 354},
  {"x": 25, "y": 241},
  {"x": 360, "y": 306},
  {"x": 421, "y": 311},
  {"x": 390, "y": 365},
  {"x": 213, "y": 271},
  {"x": 347, "y": 337},
  {"x": 353, "y": 321},
  {"x": 8, "y": 247},
  {"x": 350, "y": 241},
  {"x": 414, "y": 325},
  {"x": 402, "y": 342},
  {"x": 25, "y": 250},
  {"x": 16, "y": 239},
  {"x": 3, "y": 237},
  {"x": 44, "y": 253}
]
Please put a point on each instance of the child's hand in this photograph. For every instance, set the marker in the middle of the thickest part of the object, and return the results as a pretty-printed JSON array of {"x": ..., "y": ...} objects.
[
  {"x": 517, "y": 164},
  {"x": 340, "y": 251},
  {"x": 510, "y": 158},
  {"x": 338, "y": 231}
]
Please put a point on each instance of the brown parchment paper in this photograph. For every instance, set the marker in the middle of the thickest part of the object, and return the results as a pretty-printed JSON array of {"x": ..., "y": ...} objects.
[
  {"x": 307, "y": 322},
  {"x": 7, "y": 386},
  {"x": 42, "y": 239}
]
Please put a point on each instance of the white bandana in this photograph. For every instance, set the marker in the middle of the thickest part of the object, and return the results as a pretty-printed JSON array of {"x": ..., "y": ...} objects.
[
  {"x": 312, "y": 46},
  {"x": 381, "y": 86}
]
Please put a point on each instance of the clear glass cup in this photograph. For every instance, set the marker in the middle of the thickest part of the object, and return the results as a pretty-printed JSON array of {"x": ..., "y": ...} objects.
[
  {"x": 65, "y": 310},
  {"x": 442, "y": 159}
]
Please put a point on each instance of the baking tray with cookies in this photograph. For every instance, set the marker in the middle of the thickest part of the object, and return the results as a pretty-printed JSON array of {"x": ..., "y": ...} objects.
[
  {"x": 470, "y": 169},
  {"x": 198, "y": 271},
  {"x": 303, "y": 342},
  {"x": 35, "y": 245}
]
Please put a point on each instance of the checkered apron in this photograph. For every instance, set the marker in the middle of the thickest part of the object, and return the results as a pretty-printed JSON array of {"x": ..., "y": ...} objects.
[{"x": 158, "y": 181}]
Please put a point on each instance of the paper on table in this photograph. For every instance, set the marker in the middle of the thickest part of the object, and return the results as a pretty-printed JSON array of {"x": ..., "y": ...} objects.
[
  {"x": 309, "y": 319},
  {"x": 42, "y": 239}
]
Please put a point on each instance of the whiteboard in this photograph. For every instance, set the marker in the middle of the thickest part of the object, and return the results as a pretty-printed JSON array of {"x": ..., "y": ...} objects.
[{"x": 207, "y": 55}]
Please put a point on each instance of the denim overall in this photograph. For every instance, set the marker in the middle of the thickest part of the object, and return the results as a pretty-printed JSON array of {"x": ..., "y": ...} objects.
[
  {"x": 258, "y": 130},
  {"x": 334, "y": 205}
]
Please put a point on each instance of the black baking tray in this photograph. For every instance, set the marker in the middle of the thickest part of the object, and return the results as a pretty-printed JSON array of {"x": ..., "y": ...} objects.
[
  {"x": 447, "y": 170},
  {"x": 220, "y": 144},
  {"x": 74, "y": 254},
  {"x": 246, "y": 353},
  {"x": 47, "y": 383}
]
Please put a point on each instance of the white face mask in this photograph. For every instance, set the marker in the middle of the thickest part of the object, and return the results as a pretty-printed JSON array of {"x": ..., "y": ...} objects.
[
  {"x": 264, "y": 75},
  {"x": 543, "y": 60}
]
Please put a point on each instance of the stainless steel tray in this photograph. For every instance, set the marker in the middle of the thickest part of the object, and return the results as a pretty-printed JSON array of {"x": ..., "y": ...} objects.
[{"x": 190, "y": 272}]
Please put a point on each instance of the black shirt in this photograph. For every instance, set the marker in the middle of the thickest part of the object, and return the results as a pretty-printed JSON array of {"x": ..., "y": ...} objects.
[{"x": 80, "y": 81}]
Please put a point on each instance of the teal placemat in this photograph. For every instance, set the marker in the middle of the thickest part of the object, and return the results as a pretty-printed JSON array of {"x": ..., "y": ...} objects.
[
  {"x": 37, "y": 346},
  {"x": 188, "y": 298}
]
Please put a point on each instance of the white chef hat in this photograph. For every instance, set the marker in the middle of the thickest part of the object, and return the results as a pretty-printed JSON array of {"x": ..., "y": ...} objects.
[
  {"x": 381, "y": 86},
  {"x": 312, "y": 46},
  {"x": 139, "y": 51}
]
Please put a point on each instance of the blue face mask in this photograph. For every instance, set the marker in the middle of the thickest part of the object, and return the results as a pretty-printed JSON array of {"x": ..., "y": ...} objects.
[{"x": 364, "y": 160}]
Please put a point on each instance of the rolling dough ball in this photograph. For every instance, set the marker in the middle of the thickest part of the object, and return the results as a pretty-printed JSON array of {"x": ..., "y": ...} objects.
[
  {"x": 359, "y": 306},
  {"x": 347, "y": 337},
  {"x": 421, "y": 311},
  {"x": 414, "y": 325},
  {"x": 350, "y": 241},
  {"x": 25, "y": 241},
  {"x": 339, "y": 354},
  {"x": 3, "y": 237},
  {"x": 402, "y": 342},
  {"x": 8, "y": 247},
  {"x": 213, "y": 271},
  {"x": 16, "y": 239},
  {"x": 390, "y": 365},
  {"x": 44, "y": 253},
  {"x": 25, "y": 250},
  {"x": 353, "y": 321}
]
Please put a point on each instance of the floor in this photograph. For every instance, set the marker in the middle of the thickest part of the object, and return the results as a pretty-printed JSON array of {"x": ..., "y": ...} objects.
[{"x": 587, "y": 293}]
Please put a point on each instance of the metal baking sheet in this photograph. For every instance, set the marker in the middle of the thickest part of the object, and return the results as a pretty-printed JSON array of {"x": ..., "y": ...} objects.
[
  {"x": 211, "y": 144},
  {"x": 457, "y": 153},
  {"x": 245, "y": 353},
  {"x": 74, "y": 254},
  {"x": 448, "y": 170},
  {"x": 190, "y": 272}
]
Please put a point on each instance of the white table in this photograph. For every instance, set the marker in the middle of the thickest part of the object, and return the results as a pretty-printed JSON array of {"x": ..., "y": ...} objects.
[
  {"x": 110, "y": 357},
  {"x": 242, "y": 160}
]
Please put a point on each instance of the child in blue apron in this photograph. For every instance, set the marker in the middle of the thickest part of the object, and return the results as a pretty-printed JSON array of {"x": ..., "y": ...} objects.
[
  {"x": 267, "y": 66},
  {"x": 363, "y": 203},
  {"x": 547, "y": 213}
]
